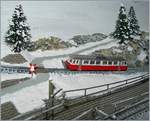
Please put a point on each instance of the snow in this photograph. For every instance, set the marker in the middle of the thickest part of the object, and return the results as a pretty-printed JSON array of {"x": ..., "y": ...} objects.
[
  {"x": 5, "y": 50},
  {"x": 54, "y": 63},
  {"x": 130, "y": 48},
  {"x": 27, "y": 56},
  {"x": 28, "y": 98},
  {"x": 13, "y": 76},
  {"x": 32, "y": 97},
  {"x": 105, "y": 46},
  {"x": 141, "y": 56},
  {"x": 117, "y": 50},
  {"x": 8, "y": 64}
]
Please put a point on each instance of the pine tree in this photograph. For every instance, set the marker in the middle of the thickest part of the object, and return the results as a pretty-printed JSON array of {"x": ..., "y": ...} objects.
[
  {"x": 122, "y": 31},
  {"x": 133, "y": 22},
  {"x": 17, "y": 36}
]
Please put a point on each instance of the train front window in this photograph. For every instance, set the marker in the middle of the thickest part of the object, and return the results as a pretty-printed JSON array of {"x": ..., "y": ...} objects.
[{"x": 124, "y": 63}]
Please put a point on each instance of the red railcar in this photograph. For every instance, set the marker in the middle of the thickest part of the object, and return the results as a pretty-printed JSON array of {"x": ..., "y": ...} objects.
[{"x": 95, "y": 63}]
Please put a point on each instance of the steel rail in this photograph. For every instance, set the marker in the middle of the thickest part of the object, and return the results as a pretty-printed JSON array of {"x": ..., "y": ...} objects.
[{"x": 23, "y": 69}]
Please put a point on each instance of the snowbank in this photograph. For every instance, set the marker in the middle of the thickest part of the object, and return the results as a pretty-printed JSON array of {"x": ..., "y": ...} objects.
[
  {"x": 28, "y": 98},
  {"x": 141, "y": 56},
  {"x": 13, "y": 76},
  {"x": 31, "y": 97},
  {"x": 54, "y": 63},
  {"x": 8, "y": 64},
  {"x": 27, "y": 56}
]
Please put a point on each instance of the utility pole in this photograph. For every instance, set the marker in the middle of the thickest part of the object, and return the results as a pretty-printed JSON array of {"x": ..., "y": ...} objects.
[
  {"x": 51, "y": 96},
  {"x": 50, "y": 102}
]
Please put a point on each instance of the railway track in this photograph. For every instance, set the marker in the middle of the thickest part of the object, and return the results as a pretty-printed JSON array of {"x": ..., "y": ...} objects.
[
  {"x": 134, "y": 111},
  {"x": 21, "y": 69}
]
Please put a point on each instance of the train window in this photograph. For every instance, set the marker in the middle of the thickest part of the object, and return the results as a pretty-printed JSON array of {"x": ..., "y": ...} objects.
[
  {"x": 86, "y": 62},
  {"x": 73, "y": 61},
  {"x": 77, "y": 62},
  {"x": 109, "y": 62},
  {"x": 125, "y": 63},
  {"x": 105, "y": 62},
  {"x": 115, "y": 62},
  {"x": 92, "y": 62},
  {"x": 97, "y": 62}
]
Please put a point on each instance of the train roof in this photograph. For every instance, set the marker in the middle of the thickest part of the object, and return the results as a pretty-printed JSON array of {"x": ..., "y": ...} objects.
[{"x": 96, "y": 57}]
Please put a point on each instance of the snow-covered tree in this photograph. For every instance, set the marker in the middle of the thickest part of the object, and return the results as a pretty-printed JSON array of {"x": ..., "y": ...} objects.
[
  {"x": 122, "y": 31},
  {"x": 17, "y": 36},
  {"x": 133, "y": 22}
]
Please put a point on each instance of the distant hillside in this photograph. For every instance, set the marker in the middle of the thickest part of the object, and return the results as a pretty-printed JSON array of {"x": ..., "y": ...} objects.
[
  {"x": 83, "y": 39},
  {"x": 50, "y": 43},
  {"x": 14, "y": 59}
]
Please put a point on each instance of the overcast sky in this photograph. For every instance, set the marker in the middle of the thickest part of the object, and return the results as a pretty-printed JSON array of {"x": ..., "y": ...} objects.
[{"x": 68, "y": 18}]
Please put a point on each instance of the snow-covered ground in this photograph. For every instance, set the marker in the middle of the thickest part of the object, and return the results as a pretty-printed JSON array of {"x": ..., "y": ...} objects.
[
  {"x": 8, "y": 64},
  {"x": 31, "y": 97},
  {"x": 6, "y": 76},
  {"x": 54, "y": 63},
  {"x": 141, "y": 56}
]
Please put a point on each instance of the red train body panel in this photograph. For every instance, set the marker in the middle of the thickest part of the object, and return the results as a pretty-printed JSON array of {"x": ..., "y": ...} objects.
[
  {"x": 95, "y": 63},
  {"x": 74, "y": 67}
]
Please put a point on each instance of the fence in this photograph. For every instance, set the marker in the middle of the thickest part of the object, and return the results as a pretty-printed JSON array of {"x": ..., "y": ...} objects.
[{"x": 104, "y": 88}]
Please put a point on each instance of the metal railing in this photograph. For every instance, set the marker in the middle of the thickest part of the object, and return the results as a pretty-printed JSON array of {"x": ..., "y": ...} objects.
[{"x": 106, "y": 87}]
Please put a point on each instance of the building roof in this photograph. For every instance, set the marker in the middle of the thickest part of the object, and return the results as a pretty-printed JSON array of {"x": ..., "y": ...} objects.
[{"x": 96, "y": 57}]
